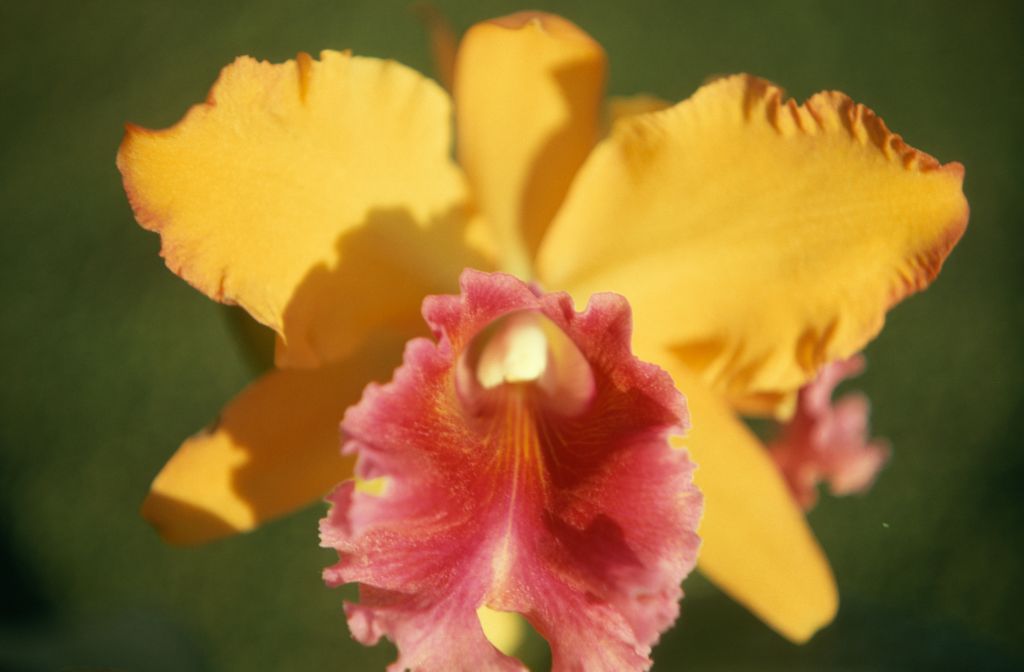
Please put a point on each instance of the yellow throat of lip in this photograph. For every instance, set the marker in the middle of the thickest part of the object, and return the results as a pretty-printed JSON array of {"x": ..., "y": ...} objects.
[
  {"x": 528, "y": 348},
  {"x": 518, "y": 353}
]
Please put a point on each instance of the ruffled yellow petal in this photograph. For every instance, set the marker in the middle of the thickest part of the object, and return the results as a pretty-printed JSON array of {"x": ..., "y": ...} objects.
[
  {"x": 757, "y": 546},
  {"x": 756, "y": 238},
  {"x": 299, "y": 186},
  {"x": 275, "y": 448},
  {"x": 528, "y": 95}
]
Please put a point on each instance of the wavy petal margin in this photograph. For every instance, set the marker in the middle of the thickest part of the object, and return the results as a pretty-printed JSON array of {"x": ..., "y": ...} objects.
[
  {"x": 298, "y": 185},
  {"x": 756, "y": 238},
  {"x": 584, "y": 523}
]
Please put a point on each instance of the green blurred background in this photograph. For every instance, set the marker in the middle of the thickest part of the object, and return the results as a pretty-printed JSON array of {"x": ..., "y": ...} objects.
[{"x": 109, "y": 360}]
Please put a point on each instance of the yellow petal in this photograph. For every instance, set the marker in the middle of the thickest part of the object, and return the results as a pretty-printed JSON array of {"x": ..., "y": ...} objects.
[
  {"x": 297, "y": 186},
  {"x": 275, "y": 448},
  {"x": 504, "y": 629},
  {"x": 756, "y": 238},
  {"x": 756, "y": 545},
  {"x": 623, "y": 107},
  {"x": 528, "y": 94}
]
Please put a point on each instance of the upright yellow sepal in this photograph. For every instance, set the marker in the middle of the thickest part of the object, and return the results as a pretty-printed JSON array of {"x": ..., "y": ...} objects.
[{"x": 528, "y": 95}]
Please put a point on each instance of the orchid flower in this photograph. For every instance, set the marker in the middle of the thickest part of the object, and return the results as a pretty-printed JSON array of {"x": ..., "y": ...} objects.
[{"x": 756, "y": 240}]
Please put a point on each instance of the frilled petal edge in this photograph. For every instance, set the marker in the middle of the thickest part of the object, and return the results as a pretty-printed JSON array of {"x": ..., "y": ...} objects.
[
  {"x": 298, "y": 185},
  {"x": 757, "y": 238}
]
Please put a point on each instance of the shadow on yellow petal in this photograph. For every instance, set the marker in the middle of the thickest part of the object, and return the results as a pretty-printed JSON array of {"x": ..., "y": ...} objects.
[
  {"x": 756, "y": 544},
  {"x": 252, "y": 189},
  {"x": 275, "y": 448},
  {"x": 618, "y": 108},
  {"x": 389, "y": 263},
  {"x": 184, "y": 524},
  {"x": 760, "y": 237},
  {"x": 528, "y": 94}
]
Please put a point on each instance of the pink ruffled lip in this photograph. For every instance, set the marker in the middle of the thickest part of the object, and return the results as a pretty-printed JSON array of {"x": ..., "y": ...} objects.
[{"x": 528, "y": 470}]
